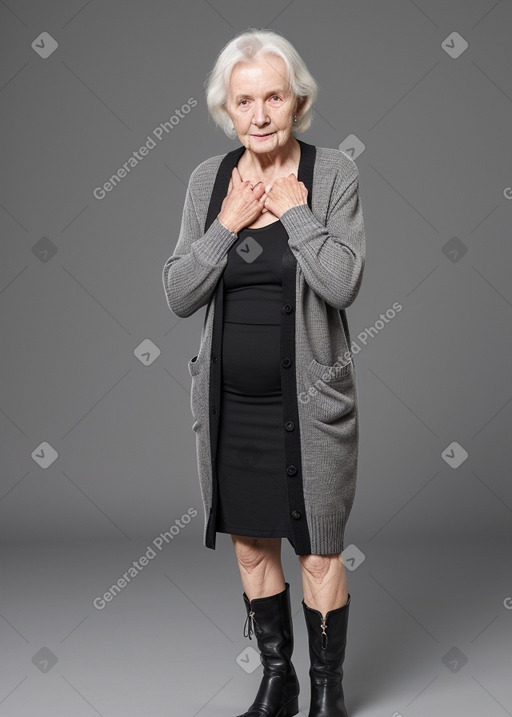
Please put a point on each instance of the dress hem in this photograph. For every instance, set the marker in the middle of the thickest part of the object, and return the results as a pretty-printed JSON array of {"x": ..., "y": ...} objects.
[{"x": 256, "y": 533}]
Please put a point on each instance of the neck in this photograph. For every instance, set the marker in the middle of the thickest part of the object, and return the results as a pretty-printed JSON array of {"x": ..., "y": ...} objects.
[{"x": 270, "y": 163}]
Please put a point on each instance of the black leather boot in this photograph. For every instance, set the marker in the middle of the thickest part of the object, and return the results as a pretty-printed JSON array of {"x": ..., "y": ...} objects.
[
  {"x": 278, "y": 693},
  {"x": 327, "y": 641}
]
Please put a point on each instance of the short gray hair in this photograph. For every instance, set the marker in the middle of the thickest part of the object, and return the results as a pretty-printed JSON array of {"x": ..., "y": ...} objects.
[{"x": 249, "y": 45}]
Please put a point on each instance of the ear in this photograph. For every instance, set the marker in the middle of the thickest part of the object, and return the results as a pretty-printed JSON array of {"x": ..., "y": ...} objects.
[{"x": 299, "y": 106}]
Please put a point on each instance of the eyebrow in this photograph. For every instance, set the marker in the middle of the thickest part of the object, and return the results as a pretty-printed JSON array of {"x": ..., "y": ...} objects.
[{"x": 278, "y": 91}]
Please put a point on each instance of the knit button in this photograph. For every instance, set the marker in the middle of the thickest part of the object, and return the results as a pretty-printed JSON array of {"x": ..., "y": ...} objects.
[
  {"x": 296, "y": 514},
  {"x": 286, "y": 362},
  {"x": 289, "y": 425},
  {"x": 291, "y": 470},
  {"x": 214, "y": 358},
  {"x": 287, "y": 308}
]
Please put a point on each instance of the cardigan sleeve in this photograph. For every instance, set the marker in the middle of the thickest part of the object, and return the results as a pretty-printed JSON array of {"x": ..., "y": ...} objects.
[
  {"x": 332, "y": 257},
  {"x": 190, "y": 275}
]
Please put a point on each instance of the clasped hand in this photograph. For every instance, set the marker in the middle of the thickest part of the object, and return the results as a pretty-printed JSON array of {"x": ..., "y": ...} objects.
[{"x": 244, "y": 203}]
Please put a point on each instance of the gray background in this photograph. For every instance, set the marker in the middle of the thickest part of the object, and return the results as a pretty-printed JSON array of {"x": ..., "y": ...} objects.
[{"x": 80, "y": 290}]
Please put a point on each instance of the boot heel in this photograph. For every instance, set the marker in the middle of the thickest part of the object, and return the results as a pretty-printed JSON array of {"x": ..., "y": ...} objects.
[{"x": 290, "y": 709}]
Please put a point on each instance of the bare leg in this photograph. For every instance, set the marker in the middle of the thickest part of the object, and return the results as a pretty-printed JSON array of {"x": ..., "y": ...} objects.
[
  {"x": 324, "y": 581},
  {"x": 259, "y": 561}
]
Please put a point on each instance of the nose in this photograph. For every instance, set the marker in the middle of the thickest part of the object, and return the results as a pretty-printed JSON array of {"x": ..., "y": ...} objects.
[{"x": 259, "y": 117}]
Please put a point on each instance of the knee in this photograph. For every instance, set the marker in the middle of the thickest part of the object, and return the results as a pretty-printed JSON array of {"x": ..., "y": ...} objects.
[
  {"x": 317, "y": 565},
  {"x": 249, "y": 553}
]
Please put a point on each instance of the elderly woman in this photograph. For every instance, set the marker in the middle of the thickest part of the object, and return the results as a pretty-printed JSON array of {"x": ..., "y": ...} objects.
[{"x": 272, "y": 241}]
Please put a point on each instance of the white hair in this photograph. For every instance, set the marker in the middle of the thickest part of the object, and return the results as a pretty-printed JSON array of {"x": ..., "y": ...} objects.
[{"x": 250, "y": 45}]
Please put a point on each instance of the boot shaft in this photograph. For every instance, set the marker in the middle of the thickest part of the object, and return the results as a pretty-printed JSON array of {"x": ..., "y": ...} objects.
[
  {"x": 269, "y": 618},
  {"x": 327, "y": 635},
  {"x": 327, "y": 642}
]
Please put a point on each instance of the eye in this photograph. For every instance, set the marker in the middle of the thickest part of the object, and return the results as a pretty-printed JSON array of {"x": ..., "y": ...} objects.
[
  {"x": 242, "y": 101},
  {"x": 276, "y": 96}
]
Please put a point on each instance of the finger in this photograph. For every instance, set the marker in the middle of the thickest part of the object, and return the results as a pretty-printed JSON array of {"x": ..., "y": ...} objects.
[
  {"x": 238, "y": 179},
  {"x": 259, "y": 190},
  {"x": 235, "y": 175}
]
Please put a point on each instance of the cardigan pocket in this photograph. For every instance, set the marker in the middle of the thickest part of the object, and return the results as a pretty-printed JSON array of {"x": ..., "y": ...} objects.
[
  {"x": 196, "y": 370},
  {"x": 331, "y": 374},
  {"x": 194, "y": 366},
  {"x": 330, "y": 390}
]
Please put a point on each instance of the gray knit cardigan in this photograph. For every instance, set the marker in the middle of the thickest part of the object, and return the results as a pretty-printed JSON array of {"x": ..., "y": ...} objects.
[{"x": 320, "y": 413}]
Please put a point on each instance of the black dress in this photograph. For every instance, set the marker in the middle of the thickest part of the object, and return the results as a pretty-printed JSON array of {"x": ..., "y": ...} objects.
[{"x": 251, "y": 466}]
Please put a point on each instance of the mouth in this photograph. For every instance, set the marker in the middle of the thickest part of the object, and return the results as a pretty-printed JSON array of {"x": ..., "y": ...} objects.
[{"x": 262, "y": 136}]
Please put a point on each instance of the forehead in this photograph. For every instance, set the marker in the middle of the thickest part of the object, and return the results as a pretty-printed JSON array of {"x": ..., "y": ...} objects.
[{"x": 268, "y": 72}]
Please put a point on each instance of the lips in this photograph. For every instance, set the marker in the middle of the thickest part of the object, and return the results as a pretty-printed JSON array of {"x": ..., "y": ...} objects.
[{"x": 263, "y": 135}]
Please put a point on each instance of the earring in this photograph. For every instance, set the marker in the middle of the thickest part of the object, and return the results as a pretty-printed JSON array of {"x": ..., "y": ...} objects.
[{"x": 295, "y": 118}]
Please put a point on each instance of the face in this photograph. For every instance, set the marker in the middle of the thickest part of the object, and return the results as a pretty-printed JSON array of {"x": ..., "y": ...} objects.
[{"x": 260, "y": 102}]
